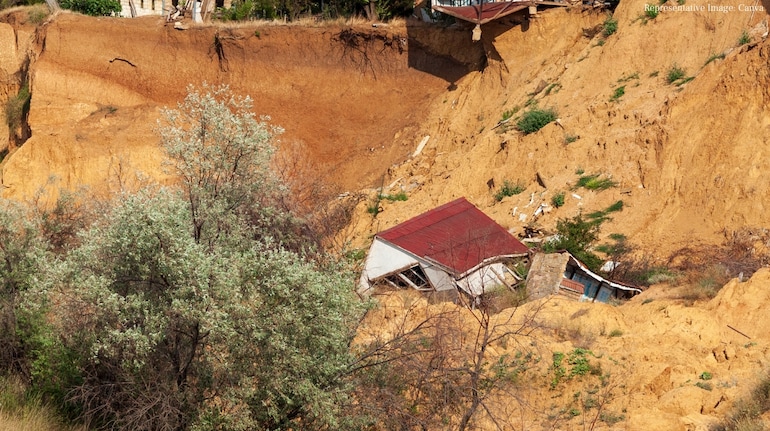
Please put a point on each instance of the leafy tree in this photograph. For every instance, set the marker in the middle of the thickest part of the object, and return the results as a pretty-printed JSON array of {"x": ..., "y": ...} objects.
[
  {"x": 618, "y": 251},
  {"x": 221, "y": 154},
  {"x": 182, "y": 309},
  {"x": 174, "y": 335},
  {"x": 577, "y": 235},
  {"x": 93, "y": 7},
  {"x": 22, "y": 254}
]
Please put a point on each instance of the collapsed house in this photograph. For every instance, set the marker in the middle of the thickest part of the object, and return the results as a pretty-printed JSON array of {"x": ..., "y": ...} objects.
[
  {"x": 561, "y": 273},
  {"x": 451, "y": 248}
]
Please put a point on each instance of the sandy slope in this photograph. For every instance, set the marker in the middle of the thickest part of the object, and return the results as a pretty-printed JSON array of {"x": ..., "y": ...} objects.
[
  {"x": 690, "y": 160},
  {"x": 652, "y": 352}
]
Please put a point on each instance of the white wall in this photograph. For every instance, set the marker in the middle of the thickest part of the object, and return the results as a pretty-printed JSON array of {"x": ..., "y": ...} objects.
[
  {"x": 149, "y": 7},
  {"x": 440, "y": 280},
  {"x": 382, "y": 259},
  {"x": 482, "y": 279}
]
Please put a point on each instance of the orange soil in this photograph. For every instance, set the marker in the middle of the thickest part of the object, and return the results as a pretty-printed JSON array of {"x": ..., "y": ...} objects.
[{"x": 690, "y": 160}]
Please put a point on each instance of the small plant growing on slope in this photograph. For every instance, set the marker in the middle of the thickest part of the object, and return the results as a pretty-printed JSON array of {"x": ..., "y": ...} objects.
[
  {"x": 595, "y": 182},
  {"x": 400, "y": 196},
  {"x": 674, "y": 73},
  {"x": 535, "y": 119},
  {"x": 744, "y": 39},
  {"x": 558, "y": 200},
  {"x": 17, "y": 107},
  {"x": 610, "y": 26},
  {"x": 714, "y": 57},
  {"x": 651, "y": 11},
  {"x": 619, "y": 92},
  {"x": 509, "y": 189}
]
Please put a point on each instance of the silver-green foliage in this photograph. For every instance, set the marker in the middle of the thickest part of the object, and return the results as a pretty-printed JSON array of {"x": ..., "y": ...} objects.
[
  {"x": 22, "y": 252},
  {"x": 221, "y": 152},
  {"x": 179, "y": 308},
  {"x": 161, "y": 323}
]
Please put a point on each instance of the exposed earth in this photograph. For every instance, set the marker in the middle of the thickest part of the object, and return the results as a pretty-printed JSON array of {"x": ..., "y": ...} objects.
[{"x": 690, "y": 157}]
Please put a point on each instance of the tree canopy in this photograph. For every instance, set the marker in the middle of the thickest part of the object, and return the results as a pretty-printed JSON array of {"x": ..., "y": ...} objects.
[{"x": 181, "y": 308}]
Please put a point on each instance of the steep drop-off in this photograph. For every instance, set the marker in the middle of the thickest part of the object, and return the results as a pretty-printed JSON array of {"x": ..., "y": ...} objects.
[
  {"x": 687, "y": 156},
  {"x": 343, "y": 95}
]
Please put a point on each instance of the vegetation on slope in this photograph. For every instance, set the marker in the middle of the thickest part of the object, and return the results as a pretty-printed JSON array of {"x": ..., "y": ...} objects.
[{"x": 208, "y": 306}]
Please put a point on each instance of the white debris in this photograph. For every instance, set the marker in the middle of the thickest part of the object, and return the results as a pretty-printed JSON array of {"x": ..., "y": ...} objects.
[
  {"x": 531, "y": 200},
  {"x": 421, "y": 146}
]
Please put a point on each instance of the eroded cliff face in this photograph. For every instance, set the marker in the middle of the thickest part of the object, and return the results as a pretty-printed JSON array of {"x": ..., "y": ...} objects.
[
  {"x": 356, "y": 101},
  {"x": 687, "y": 156},
  {"x": 346, "y": 97}
]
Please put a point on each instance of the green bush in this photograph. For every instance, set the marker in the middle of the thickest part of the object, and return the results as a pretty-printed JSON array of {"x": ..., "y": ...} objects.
[
  {"x": 595, "y": 182},
  {"x": 651, "y": 11},
  {"x": 577, "y": 235},
  {"x": 558, "y": 200},
  {"x": 619, "y": 92},
  {"x": 17, "y": 107},
  {"x": 674, "y": 74},
  {"x": 400, "y": 196},
  {"x": 535, "y": 119},
  {"x": 744, "y": 39},
  {"x": 239, "y": 11},
  {"x": 509, "y": 189},
  {"x": 610, "y": 26},
  {"x": 93, "y": 7}
]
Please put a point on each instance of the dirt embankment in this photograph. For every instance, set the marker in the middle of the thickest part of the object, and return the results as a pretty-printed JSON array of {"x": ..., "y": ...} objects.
[
  {"x": 656, "y": 363},
  {"x": 350, "y": 99},
  {"x": 687, "y": 156},
  {"x": 689, "y": 159}
]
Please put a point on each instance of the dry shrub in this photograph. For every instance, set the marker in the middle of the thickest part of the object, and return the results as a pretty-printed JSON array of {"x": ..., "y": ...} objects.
[
  {"x": 21, "y": 411},
  {"x": 310, "y": 198},
  {"x": 569, "y": 330},
  {"x": 501, "y": 298},
  {"x": 746, "y": 413},
  {"x": 706, "y": 268}
]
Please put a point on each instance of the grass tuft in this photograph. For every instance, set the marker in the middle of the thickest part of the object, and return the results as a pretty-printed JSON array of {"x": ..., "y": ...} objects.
[
  {"x": 744, "y": 39},
  {"x": 714, "y": 57},
  {"x": 509, "y": 189},
  {"x": 535, "y": 119},
  {"x": 675, "y": 73},
  {"x": 595, "y": 182},
  {"x": 610, "y": 26},
  {"x": 619, "y": 92},
  {"x": 558, "y": 200}
]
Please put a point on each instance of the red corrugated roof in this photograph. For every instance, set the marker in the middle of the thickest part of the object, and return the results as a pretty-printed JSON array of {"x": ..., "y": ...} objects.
[{"x": 457, "y": 235}]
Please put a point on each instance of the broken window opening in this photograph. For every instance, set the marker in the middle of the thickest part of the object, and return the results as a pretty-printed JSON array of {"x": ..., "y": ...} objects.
[{"x": 413, "y": 277}]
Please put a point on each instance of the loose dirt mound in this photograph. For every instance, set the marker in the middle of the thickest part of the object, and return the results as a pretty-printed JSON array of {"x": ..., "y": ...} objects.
[{"x": 656, "y": 362}]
